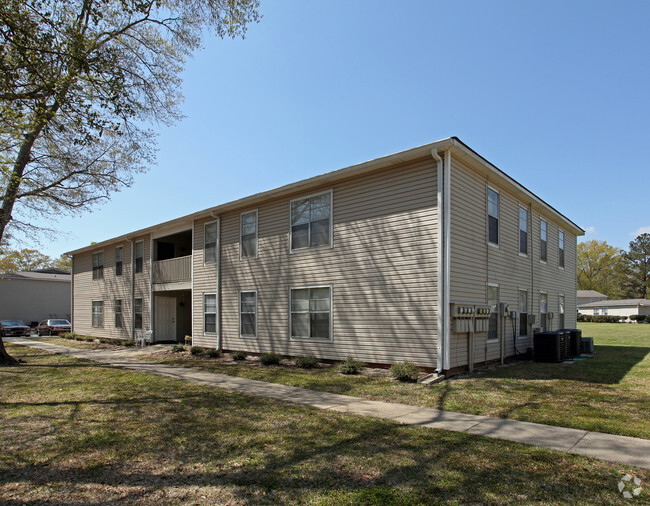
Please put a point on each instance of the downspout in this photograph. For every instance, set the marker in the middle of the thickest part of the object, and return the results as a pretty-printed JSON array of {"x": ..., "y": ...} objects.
[
  {"x": 72, "y": 294},
  {"x": 132, "y": 288},
  {"x": 152, "y": 321},
  {"x": 447, "y": 246},
  {"x": 443, "y": 260},
  {"x": 218, "y": 287}
]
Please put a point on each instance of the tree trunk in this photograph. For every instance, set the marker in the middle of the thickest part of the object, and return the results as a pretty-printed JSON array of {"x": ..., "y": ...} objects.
[{"x": 5, "y": 358}]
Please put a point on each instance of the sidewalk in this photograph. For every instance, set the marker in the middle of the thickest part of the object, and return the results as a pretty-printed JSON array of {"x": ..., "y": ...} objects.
[{"x": 623, "y": 449}]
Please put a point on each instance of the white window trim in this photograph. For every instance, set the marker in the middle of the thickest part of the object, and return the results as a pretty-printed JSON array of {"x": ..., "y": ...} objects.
[
  {"x": 487, "y": 217},
  {"x": 527, "y": 308},
  {"x": 528, "y": 226},
  {"x": 103, "y": 265},
  {"x": 216, "y": 244},
  {"x": 121, "y": 247},
  {"x": 315, "y": 248},
  {"x": 257, "y": 229},
  {"x": 247, "y": 336},
  {"x": 92, "y": 314},
  {"x": 540, "y": 240},
  {"x": 121, "y": 313},
  {"x": 216, "y": 313},
  {"x": 494, "y": 285},
  {"x": 135, "y": 256},
  {"x": 560, "y": 231},
  {"x": 134, "y": 312},
  {"x": 307, "y": 339}
]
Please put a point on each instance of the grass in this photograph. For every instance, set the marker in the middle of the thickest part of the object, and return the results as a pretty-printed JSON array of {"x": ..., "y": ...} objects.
[
  {"x": 609, "y": 393},
  {"x": 71, "y": 343},
  {"x": 80, "y": 432}
]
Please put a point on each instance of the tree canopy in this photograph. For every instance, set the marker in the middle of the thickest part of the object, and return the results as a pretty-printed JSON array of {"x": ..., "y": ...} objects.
[
  {"x": 29, "y": 260},
  {"x": 637, "y": 267},
  {"x": 80, "y": 80}
]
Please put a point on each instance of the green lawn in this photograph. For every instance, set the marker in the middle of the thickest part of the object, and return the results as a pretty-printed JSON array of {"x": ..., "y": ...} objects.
[
  {"x": 609, "y": 393},
  {"x": 80, "y": 432}
]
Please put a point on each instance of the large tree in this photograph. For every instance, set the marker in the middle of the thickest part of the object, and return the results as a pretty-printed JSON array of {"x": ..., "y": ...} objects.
[
  {"x": 30, "y": 259},
  {"x": 79, "y": 82},
  {"x": 600, "y": 268},
  {"x": 637, "y": 263}
]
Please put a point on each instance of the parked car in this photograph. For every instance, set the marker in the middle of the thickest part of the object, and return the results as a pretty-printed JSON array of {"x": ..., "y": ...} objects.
[
  {"x": 14, "y": 328},
  {"x": 53, "y": 327}
]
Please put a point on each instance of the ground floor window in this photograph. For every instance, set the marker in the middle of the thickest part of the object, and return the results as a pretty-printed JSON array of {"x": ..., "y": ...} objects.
[
  {"x": 210, "y": 313},
  {"x": 543, "y": 310},
  {"x": 493, "y": 302},
  {"x": 523, "y": 313},
  {"x": 311, "y": 314},
  {"x": 98, "y": 313},
  {"x": 561, "y": 312},
  {"x": 137, "y": 312},
  {"x": 248, "y": 314},
  {"x": 118, "y": 314}
]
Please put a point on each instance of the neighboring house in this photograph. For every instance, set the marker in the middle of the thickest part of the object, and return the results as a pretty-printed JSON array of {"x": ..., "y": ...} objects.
[
  {"x": 624, "y": 307},
  {"x": 35, "y": 295},
  {"x": 364, "y": 261},
  {"x": 587, "y": 296}
]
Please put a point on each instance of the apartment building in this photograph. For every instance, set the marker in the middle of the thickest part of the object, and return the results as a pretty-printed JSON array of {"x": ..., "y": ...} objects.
[{"x": 431, "y": 255}]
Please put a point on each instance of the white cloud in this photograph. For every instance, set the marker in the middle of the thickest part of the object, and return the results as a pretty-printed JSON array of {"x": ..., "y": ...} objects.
[
  {"x": 590, "y": 231},
  {"x": 642, "y": 230}
]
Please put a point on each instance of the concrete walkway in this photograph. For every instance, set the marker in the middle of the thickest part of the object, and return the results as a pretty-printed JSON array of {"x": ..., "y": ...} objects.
[{"x": 623, "y": 449}]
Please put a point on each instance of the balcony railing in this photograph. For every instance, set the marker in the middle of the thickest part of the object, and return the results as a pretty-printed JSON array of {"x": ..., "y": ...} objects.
[{"x": 173, "y": 270}]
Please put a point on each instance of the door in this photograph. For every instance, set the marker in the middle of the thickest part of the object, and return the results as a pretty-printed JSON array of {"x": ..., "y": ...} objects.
[{"x": 165, "y": 329}]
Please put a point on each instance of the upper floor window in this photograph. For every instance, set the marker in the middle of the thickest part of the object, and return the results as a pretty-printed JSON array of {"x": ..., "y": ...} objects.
[
  {"x": 493, "y": 216},
  {"x": 560, "y": 242},
  {"x": 523, "y": 230},
  {"x": 542, "y": 241},
  {"x": 211, "y": 231},
  {"x": 98, "y": 265},
  {"x": 139, "y": 256},
  {"x": 119, "y": 253},
  {"x": 311, "y": 221},
  {"x": 248, "y": 235}
]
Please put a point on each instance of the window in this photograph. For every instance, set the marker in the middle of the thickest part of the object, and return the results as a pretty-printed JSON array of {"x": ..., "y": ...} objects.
[
  {"x": 137, "y": 312},
  {"x": 523, "y": 313},
  {"x": 210, "y": 231},
  {"x": 311, "y": 221},
  {"x": 98, "y": 265},
  {"x": 493, "y": 216},
  {"x": 139, "y": 256},
  {"x": 98, "y": 313},
  {"x": 118, "y": 314},
  {"x": 596, "y": 312},
  {"x": 604, "y": 311},
  {"x": 523, "y": 230},
  {"x": 210, "y": 313},
  {"x": 248, "y": 234},
  {"x": 248, "y": 314},
  {"x": 543, "y": 310},
  {"x": 118, "y": 260},
  {"x": 493, "y": 302},
  {"x": 561, "y": 313},
  {"x": 542, "y": 240},
  {"x": 311, "y": 314},
  {"x": 560, "y": 242}
]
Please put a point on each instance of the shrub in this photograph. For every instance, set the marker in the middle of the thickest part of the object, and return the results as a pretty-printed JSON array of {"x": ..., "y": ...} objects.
[
  {"x": 88, "y": 339},
  {"x": 177, "y": 348},
  {"x": 270, "y": 358},
  {"x": 213, "y": 353},
  {"x": 638, "y": 317},
  {"x": 77, "y": 337},
  {"x": 67, "y": 335},
  {"x": 405, "y": 371},
  {"x": 196, "y": 350},
  {"x": 239, "y": 355},
  {"x": 128, "y": 342},
  {"x": 350, "y": 366},
  {"x": 581, "y": 317},
  {"x": 306, "y": 361}
]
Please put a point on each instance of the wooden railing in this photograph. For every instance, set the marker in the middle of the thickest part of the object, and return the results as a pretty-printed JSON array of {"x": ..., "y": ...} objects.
[{"x": 173, "y": 270}]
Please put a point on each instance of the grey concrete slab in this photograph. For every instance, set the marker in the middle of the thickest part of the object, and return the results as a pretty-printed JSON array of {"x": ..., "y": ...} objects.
[
  {"x": 438, "y": 419},
  {"x": 627, "y": 450},
  {"x": 548, "y": 436},
  {"x": 609, "y": 447}
]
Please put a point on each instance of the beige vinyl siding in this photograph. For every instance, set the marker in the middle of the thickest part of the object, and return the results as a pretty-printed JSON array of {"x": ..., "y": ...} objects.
[
  {"x": 381, "y": 267},
  {"x": 474, "y": 263},
  {"x": 108, "y": 289},
  {"x": 204, "y": 281}
]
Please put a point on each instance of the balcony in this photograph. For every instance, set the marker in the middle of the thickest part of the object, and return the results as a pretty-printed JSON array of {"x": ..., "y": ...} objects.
[{"x": 173, "y": 270}]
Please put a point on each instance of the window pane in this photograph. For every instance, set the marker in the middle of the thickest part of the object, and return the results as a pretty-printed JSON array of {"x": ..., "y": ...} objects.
[
  {"x": 248, "y": 246},
  {"x": 523, "y": 301},
  {"x": 320, "y": 325},
  {"x": 320, "y": 207},
  {"x": 320, "y": 233},
  {"x": 248, "y": 302},
  {"x": 210, "y": 303},
  {"x": 300, "y": 236},
  {"x": 320, "y": 299},
  {"x": 300, "y": 299},
  {"x": 523, "y": 219},
  {"x": 493, "y": 231},
  {"x": 542, "y": 230},
  {"x": 248, "y": 324},
  {"x": 300, "y": 325},
  {"x": 211, "y": 232},
  {"x": 543, "y": 303},
  {"x": 493, "y": 203},
  {"x": 210, "y": 323},
  {"x": 523, "y": 242},
  {"x": 300, "y": 212},
  {"x": 561, "y": 240},
  {"x": 248, "y": 223}
]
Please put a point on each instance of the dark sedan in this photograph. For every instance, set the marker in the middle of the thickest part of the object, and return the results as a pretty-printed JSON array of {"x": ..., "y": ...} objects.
[
  {"x": 14, "y": 328},
  {"x": 53, "y": 327}
]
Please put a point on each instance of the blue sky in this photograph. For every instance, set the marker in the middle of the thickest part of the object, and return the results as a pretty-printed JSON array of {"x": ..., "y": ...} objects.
[{"x": 553, "y": 93}]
